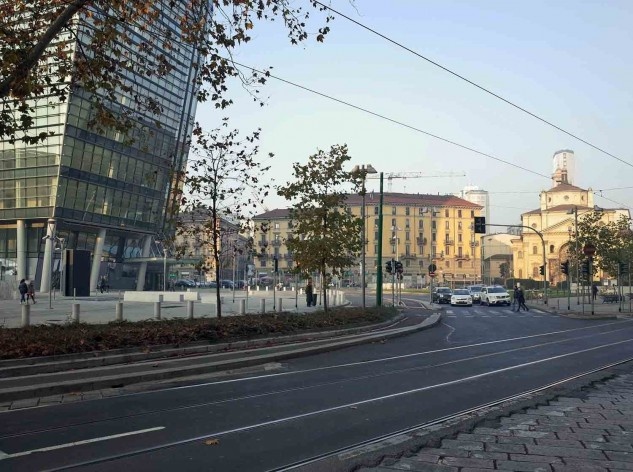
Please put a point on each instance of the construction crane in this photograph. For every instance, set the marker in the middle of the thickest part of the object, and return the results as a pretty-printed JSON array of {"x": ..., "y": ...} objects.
[{"x": 413, "y": 175}]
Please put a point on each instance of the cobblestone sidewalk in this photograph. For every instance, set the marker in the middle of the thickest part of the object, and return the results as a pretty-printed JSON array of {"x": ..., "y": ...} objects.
[{"x": 591, "y": 432}]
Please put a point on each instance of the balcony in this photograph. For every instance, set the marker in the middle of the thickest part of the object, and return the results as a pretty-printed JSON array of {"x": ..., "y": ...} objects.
[
  {"x": 263, "y": 243},
  {"x": 276, "y": 242},
  {"x": 420, "y": 241},
  {"x": 449, "y": 242},
  {"x": 463, "y": 257},
  {"x": 408, "y": 256},
  {"x": 474, "y": 244}
]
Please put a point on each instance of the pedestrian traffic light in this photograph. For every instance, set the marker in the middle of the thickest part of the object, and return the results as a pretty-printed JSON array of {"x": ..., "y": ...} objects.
[
  {"x": 480, "y": 224},
  {"x": 389, "y": 267},
  {"x": 541, "y": 270},
  {"x": 584, "y": 268},
  {"x": 399, "y": 269},
  {"x": 564, "y": 267}
]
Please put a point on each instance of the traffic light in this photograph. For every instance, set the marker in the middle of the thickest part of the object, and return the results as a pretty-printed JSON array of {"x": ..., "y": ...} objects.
[
  {"x": 541, "y": 270},
  {"x": 389, "y": 267},
  {"x": 399, "y": 269},
  {"x": 584, "y": 268},
  {"x": 623, "y": 268},
  {"x": 564, "y": 267},
  {"x": 276, "y": 263},
  {"x": 480, "y": 224}
]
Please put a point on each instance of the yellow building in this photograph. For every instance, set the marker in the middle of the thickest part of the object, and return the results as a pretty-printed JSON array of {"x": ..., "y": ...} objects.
[
  {"x": 555, "y": 220},
  {"x": 417, "y": 229}
]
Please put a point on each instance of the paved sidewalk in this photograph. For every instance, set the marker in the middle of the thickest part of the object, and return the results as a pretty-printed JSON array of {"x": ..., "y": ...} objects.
[
  {"x": 559, "y": 306},
  {"x": 588, "y": 432}
]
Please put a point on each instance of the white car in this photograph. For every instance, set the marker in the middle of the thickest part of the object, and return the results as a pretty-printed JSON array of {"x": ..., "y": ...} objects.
[
  {"x": 461, "y": 296},
  {"x": 494, "y": 296}
]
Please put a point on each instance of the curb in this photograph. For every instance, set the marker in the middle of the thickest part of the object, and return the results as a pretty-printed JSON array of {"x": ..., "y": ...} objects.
[{"x": 117, "y": 381}]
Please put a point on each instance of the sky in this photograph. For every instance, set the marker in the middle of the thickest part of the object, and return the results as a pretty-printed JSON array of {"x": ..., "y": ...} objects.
[{"x": 567, "y": 61}]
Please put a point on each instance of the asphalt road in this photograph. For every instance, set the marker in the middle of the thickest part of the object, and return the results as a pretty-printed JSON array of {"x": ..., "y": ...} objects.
[{"x": 312, "y": 405}]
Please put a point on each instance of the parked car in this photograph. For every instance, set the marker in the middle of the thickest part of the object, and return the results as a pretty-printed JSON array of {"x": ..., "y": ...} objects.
[
  {"x": 494, "y": 296},
  {"x": 240, "y": 284},
  {"x": 442, "y": 295},
  {"x": 226, "y": 284},
  {"x": 184, "y": 283},
  {"x": 461, "y": 296},
  {"x": 475, "y": 292}
]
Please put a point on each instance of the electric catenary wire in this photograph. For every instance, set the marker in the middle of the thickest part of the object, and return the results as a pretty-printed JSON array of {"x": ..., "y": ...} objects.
[{"x": 480, "y": 87}]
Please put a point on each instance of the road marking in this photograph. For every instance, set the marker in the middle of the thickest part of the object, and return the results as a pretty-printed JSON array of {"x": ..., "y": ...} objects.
[
  {"x": 78, "y": 443},
  {"x": 449, "y": 311}
]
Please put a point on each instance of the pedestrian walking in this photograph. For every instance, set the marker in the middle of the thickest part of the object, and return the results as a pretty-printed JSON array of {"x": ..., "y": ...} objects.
[
  {"x": 594, "y": 291},
  {"x": 522, "y": 300},
  {"x": 30, "y": 292},
  {"x": 310, "y": 294},
  {"x": 515, "y": 298},
  {"x": 24, "y": 289}
]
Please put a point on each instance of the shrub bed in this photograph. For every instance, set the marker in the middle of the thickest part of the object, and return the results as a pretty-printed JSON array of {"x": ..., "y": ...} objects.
[{"x": 36, "y": 341}]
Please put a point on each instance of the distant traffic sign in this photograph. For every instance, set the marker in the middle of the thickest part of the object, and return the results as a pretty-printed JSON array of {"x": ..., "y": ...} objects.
[{"x": 431, "y": 274}]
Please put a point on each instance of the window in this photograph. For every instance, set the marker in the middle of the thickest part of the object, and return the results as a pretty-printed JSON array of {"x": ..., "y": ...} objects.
[
  {"x": 393, "y": 222},
  {"x": 276, "y": 225},
  {"x": 393, "y": 249},
  {"x": 420, "y": 224},
  {"x": 376, "y": 222},
  {"x": 446, "y": 237},
  {"x": 448, "y": 250},
  {"x": 535, "y": 272},
  {"x": 459, "y": 225},
  {"x": 407, "y": 250},
  {"x": 459, "y": 252},
  {"x": 446, "y": 213},
  {"x": 407, "y": 236},
  {"x": 376, "y": 211},
  {"x": 459, "y": 238},
  {"x": 407, "y": 211},
  {"x": 447, "y": 225},
  {"x": 376, "y": 236},
  {"x": 434, "y": 225},
  {"x": 459, "y": 214},
  {"x": 406, "y": 223},
  {"x": 459, "y": 264},
  {"x": 434, "y": 237},
  {"x": 551, "y": 249},
  {"x": 393, "y": 210},
  {"x": 421, "y": 250},
  {"x": 448, "y": 264},
  {"x": 421, "y": 211},
  {"x": 534, "y": 250},
  {"x": 375, "y": 248},
  {"x": 407, "y": 263}
]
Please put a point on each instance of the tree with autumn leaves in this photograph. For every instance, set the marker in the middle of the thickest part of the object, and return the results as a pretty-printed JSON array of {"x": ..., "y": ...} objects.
[
  {"x": 50, "y": 46},
  {"x": 326, "y": 235}
]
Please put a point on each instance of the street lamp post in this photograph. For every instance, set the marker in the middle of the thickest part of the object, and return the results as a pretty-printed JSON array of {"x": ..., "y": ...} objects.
[
  {"x": 379, "y": 268},
  {"x": 363, "y": 170}
]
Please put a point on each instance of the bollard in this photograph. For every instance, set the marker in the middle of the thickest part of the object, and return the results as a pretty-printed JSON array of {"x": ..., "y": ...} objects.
[
  {"x": 190, "y": 309},
  {"x": 267, "y": 288},
  {"x": 262, "y": 305},
  {"x": 119, "y": 311},
  {"x": 279, "y": 305},
  {"x": 157, "y": 310},
  {"x": 242, "y": 307},
  {"x": 257, "y": 288},
  {"x": 300, "y": 291},
  {"x": 26, "y": 315},
  {"x": 75, "y": 313}
]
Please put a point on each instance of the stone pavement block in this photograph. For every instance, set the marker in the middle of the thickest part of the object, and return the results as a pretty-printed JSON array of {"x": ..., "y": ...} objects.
[
  {"x": 559, "y": 443},
  {"x": 91, "y": 395},
  {"x": 465, "y": 445},
  {"x": 551, "y": 428},
  {"x": 421, "y": 457},
  {"x": 578, "y": 468},
  {"x": 445, "y": 452},
  {"x": 509, "y": 448},
  {"x": 589, "y": 408},
  {"x": 4, "y": 408},
  {"x": 535, "y": 434},
  {"x": 476, "y": 437},
  {"x": 584, "y": 414},
  {"x": 568, "y": 400},
  {"x": 518, "y": 418},
  {"x": 51, "y": 399},
  {"x": 620, "y": 439},
  {"x": 541, "y": 459},
  {"x": 497, "y": 456},
  {"x": 515, "y": 440},
  {"x": 523, "y": 466},
  {"x": 625, "y": 425},
  {"x": 612, "y": 465},
  {"x": 619, "y": 456},
  {"x": 468, "y": 462},
  {"x": 111, "y": 392},
  {"x": 493, "y": 431},
  {"x": 565, "y": 452},
  {"x": 470, "y": 469},
  {"x": 594, "y": 437},
  {"x": 414, "y": 466},
  {"x": 71, "y": 398},
  {"x": 26, "y": 403},
  {"x": 609, "y": 446}
]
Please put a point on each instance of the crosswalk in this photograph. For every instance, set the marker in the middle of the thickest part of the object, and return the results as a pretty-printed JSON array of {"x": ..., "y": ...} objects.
[{"x": 485, "y": 312}]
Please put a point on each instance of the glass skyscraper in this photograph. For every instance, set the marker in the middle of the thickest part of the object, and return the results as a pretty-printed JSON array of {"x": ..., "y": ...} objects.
[{"x": 94, "y": 188}]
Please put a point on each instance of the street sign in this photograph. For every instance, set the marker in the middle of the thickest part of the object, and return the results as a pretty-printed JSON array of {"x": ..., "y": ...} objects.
[
  {"x": 431, "y": 274},
  {"x": 432, "y": 268},
  {"x": 173, "y": 275}
]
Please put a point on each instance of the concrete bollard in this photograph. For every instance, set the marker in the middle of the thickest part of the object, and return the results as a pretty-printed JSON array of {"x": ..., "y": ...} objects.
[
  {"x": 279, "y": 305},
  {"x": 119, "y": 311},
  {"x": 262, "y": 305},
  {"x": 267, "y": 288},
  {"x": 157, "y": 310},
  {"x": 300, "y": 291},
  {"x": 75, "y": 313},
  {"x": 26, "y": 315},
  {"x": 257, "y": 288},
  {"x": 242, "y": 307},
  {"x": 190, "y": 309}
]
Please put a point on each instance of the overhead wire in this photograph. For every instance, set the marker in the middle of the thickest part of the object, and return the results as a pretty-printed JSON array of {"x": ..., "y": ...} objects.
[{"x": 474, "y": 84}]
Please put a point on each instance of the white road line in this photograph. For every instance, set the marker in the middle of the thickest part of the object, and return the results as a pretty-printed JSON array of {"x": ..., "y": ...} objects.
[
  {"x": 78, "y": 443},
  {"x": 449, "y": 311}
]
